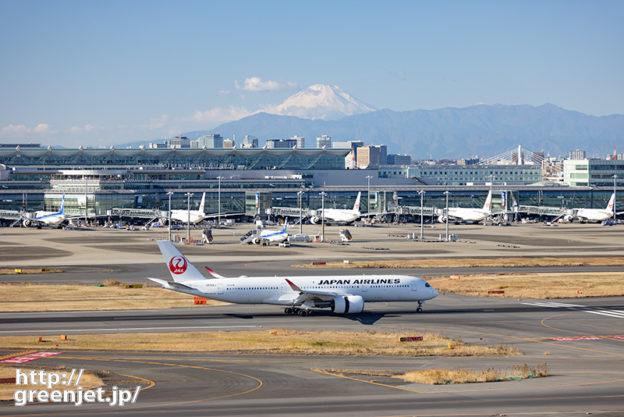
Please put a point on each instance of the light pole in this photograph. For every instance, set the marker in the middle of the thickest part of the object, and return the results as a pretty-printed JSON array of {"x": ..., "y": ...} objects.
[
  {"x": 323, "y": 216},
  {"x": 170, "y": 193},
  {"x": 368, "y": 177},
  {"x": 188, "y": 223},
  {"x": 447, "y": 216},
  {"x": 614, "y": 199},
  {"x": 422, "y": 214},
  {"x": 300, "y": 195},
  {"x": 219, "y": 203}
]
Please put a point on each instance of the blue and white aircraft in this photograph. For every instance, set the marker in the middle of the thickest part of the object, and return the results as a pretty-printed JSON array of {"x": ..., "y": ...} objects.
[
  {"x": 343, "y": 294},
  {"x": 270, "y": 237},
  {"x": 48, "y": 218}
]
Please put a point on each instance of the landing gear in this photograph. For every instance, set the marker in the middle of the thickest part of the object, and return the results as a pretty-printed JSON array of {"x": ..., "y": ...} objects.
[
  {"x": 419, "y": 309},
  {"x": 296, "y": 311}
]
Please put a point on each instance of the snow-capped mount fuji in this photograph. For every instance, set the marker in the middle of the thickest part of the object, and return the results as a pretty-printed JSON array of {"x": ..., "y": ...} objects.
[{"x": 320, "y": 101}]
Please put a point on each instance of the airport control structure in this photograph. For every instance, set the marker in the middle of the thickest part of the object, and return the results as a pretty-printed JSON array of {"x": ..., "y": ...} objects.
[{"x": 254, "y": 182}]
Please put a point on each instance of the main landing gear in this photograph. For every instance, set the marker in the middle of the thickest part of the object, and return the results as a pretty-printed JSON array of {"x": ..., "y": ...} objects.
[
  {"x": 303, "y": 312},
  {"x": 419, "y": 309}
]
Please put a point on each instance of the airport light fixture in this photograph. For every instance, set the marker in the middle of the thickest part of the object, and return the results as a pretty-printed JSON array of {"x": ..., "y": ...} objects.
[
  {"x": 422, "y": 214},
  {"x": 368, "y": 177},
  {"x": 170, "y": 193},
  {"x": 188, "y": 223},
  {"x": 447, "y": 216},
  {"x": 614, "y": 199},
  {"x": 219, "y": 202},
  {"x": 300, "y": 195},
  {"x": 323, "y": 216}
]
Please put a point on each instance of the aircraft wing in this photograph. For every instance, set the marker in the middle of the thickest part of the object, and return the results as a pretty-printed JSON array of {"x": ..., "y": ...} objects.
[
  {"x": 311, "y": 295},
  {"x": 224, "y": 215}
]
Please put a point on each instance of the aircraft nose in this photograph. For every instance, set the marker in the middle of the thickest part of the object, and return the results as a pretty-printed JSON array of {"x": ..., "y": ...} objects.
[{"x": 434, "y": 293}]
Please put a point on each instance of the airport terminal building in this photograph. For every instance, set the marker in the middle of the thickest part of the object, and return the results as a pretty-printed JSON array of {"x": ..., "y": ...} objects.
[{"x": 250, "y": 180}]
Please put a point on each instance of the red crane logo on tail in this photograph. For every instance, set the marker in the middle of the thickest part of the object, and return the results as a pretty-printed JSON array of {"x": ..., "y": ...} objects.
[{"x": 178, "y": 264}]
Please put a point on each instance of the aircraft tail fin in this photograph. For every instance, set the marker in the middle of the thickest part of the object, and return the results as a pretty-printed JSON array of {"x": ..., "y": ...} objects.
[
  {"x": 62, "y": 209},
  {"x": 180, "y": 268},
  {"x": 356, "y": 206},
  {"x": 201, "y": 205},
  {"x": 285, "y": 225},
  {"x": 488, "y": 202},
  {"x": 611, "y": 202}
]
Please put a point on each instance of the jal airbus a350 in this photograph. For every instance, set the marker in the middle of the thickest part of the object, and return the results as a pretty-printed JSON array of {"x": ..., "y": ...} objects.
[{"x": 300, "y": 295}]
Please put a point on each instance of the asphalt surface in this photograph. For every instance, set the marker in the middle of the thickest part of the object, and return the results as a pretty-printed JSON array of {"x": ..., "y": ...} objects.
[{"x": 581, "y": 340}]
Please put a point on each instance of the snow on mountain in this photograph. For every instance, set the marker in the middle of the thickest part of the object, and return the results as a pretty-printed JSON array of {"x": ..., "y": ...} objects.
[{"x": 320, "y": 101}]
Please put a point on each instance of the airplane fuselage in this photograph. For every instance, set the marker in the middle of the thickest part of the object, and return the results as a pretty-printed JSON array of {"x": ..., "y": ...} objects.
[{"x": 275, "y": 290}]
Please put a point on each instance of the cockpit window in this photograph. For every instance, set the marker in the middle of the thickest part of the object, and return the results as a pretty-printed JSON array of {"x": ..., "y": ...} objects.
[{"x": 427, "y": 285}]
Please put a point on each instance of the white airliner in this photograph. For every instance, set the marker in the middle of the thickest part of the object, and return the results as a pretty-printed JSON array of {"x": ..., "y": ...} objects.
[
  {"x": 267, "y": 237},
  {"x": 338, "y": 215},
  {"x": 473, "y": 215},
  {"x": 596, "y": 215},
  {"x": 342, "y": 294},
  {"x": 182, "y": 216},
  {"x": 48, "y": 218}
]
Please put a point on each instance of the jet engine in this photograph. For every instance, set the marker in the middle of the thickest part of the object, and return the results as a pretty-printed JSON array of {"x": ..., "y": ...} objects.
[
  {"x": 256, "y": 240},
  {"x": 350, "y": 304},
  {"x": 315, "y": 220},
  {"x": 26, "y": 222}
]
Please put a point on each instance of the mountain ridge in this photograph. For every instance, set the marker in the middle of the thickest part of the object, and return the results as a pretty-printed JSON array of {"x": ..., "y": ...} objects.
[{"x": 450, "y": 132}]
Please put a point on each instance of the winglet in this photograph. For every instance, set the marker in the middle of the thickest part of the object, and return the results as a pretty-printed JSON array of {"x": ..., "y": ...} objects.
[
  {"x": 293, "y": 286},
  {"x": 213, "y": 273}
]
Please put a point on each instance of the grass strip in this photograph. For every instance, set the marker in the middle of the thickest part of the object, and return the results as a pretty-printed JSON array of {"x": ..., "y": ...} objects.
[
  {"x": 473, "y": 263},
  {"x": 111, "y": 296},
  {"x": 452, "y": 376},
  {"x": 540, "y": 285},
  {"x": 276, "y": 341}
]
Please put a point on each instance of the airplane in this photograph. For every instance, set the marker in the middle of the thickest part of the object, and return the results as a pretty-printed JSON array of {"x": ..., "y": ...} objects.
[
  {"x": 338, "y": 215},
  {"x": 266, "y": 237},
  {"x": 344, "y": 294},
  {"x": 182, "y": 216},
  {"x": 594, "y": 215},
  {"x": 474, "y": 215},
  {"x": 48, "y": 218}
]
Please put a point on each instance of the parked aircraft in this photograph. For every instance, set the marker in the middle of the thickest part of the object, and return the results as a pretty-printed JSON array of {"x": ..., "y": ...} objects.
[
  {"x": 266, "y": 237},
  {"x": 338, "y": 215},
  {"x": 595, "y": 215},
  {"x": 183, "y": 216},
  {"x": 474, "y": 215},
  {"x": 47, "y": 218},
  {"x": 343, "y": 294}
]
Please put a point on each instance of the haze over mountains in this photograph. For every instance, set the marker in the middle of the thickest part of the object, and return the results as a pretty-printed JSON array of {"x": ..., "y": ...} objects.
[{"x": 483, "y": 130}]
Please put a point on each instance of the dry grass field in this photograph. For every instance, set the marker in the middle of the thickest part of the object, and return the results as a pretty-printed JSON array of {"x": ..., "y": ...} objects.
[
  {"x": 15, "y": 271},
  {"x": 474, "y": 263},
  {"x": 268, "y": 342},
  {"x": 88, "y": 380},
  {"x": 545, "y": 285},
  {"x": 450, "y": 376},
  {"x": 112, "y": 296}
]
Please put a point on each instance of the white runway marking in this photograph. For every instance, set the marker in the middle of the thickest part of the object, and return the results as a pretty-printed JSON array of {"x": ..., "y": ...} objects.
[
  {"x": 118, "y": 329},
  {"x": 576, "y": 307}
]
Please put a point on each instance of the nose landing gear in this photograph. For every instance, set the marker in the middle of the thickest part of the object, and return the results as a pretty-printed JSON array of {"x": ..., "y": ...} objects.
[{"x": 419, "y": 309}]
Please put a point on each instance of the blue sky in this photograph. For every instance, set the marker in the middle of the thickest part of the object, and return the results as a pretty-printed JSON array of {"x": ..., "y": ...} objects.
[{"x": 99, "y": 73}]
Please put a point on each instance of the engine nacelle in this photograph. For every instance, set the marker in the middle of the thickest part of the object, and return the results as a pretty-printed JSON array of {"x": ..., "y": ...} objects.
[
  {"x": 26, "y": 223},
  {"x": 256, "y": 240},
  {"x": 350, "y": 304},
  {"x": 442, "y": 219},
  {"x": 315, "y": 220}
]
